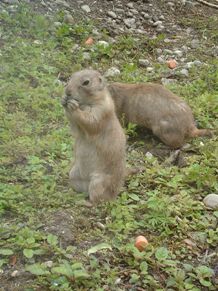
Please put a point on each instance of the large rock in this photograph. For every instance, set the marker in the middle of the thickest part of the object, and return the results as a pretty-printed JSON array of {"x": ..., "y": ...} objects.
[{"x": 211, "y": 201}]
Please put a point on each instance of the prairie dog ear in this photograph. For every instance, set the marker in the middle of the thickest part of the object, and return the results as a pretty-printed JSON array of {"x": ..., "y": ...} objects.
[{"x": 102, "y": 83}]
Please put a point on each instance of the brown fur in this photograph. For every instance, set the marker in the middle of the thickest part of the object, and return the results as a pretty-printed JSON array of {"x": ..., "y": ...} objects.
[
  {"x": 99, "y": 166},
  {"x": 155, "y": 107}
]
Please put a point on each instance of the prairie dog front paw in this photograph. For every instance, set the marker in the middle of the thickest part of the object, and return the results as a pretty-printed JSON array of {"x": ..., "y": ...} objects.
[{"x": 73, "y": 104}]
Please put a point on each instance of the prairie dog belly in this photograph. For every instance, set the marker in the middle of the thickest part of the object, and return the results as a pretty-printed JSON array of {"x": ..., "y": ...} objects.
[{"x": 86, "y": 159}]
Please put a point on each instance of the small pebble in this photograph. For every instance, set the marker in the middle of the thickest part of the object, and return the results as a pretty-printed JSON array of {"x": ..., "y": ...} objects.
[
  {"x": 149, "y": 155},
  {"x": 157, "y": 23},
  {"x": 144, "y": 62},
  {"x": 112, "y": 14},
  {"x": 14, "y": 273},
  {"x": 100, "y": 225},
  {"x": 194, "y": 43},
  {"x": 184, "y": 72},
  {"x": 150, "y": 69},
  {"x": 178, "y": 53},
  {"x": 112, "y": 72},
  {"x": 161, "y": 60},
  {"x": 86, "y": 56},
  {"x": 103, "y": 43},
  {"x": 86, "y": 8},
  {"x": 48, "y": 264},
  {"x": 68, "y": 19},
  {"x": 159, "y": 51}
]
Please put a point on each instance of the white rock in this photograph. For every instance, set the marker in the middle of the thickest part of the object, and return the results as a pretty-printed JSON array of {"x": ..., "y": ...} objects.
[
  {"x": 211, "y": 201},
  {"x": 149, "y": 155},
  {"x": 156, "y": 23},
  {"x": 167, "y": 40},
  {"x": 184, "y": 48},
  {"x": 112, "y": 72},
  {"x": 48, "y": 264},
  {"x": 197, "y": 63},
  {"x": 100, "y": 225},
  {"x": 160, "y": 28},
  {"x": 75, "y": 47},
  {"x": 194, "y": 43},
  {"x": 117, "y": 281},
  {"x": 144, "y": 62},
  {"x": 178, "y": 53},
  {"x": 86, "y": 8},
  {"x": 184, "y": 72},
  {"x": 112, "y": 14},
  {"x": 146, "y": 15},
  {"x": 159, "y": 51},
  {"x": 86, "y": 56},
  {"x": 134, "y": 11},
  {"x": 14, "y": 273},
  {"x": 68, "y": 19},
  {"x": 57, "y": 24},
  {"x": 189, "y": 65},
  {"x": 161, "y": 60},
  {"x": 150, "y": 69},
  {"x": 130, "y": 22},
  {"x": 168, "y": 52},
  {"x": 168, "y": 81},
  {"x": 171, "y": 4},
  {"x": 103, "y": 43},
  {"x": 130, "y": 5}
]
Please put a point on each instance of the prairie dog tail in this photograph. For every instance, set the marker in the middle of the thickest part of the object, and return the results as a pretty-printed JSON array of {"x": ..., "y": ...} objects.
[{"x": 201, "y": 132}]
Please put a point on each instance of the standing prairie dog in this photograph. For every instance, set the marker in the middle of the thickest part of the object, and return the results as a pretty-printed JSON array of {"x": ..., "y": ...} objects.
[
  {"x": 99, "y": 166},
  {"x": 155, "y": 107}
]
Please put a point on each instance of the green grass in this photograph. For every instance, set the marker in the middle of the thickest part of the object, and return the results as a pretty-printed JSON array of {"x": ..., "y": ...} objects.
[{"x": 36, "y": 203}]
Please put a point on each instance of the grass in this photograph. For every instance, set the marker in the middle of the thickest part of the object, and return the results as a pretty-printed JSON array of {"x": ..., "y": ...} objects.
[{"x": 53, "y": 241}]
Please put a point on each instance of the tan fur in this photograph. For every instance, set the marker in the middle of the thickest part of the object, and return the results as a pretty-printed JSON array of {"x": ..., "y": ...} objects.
[
  {"x": 156, "y": 108},
  {"x": 99, "y": 166}
]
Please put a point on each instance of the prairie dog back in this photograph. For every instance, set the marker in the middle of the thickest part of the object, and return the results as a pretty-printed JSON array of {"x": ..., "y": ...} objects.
[
  {"x": 157, "y": 108},
  {"x": 99, "y": 165}
]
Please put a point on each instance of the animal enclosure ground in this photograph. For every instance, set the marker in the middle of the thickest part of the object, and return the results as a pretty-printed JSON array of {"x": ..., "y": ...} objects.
[{"x": 48, "y": 239}]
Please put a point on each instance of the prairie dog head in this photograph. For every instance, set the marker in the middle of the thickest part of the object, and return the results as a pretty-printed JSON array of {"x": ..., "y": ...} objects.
[{"x": 86, "y": 87}]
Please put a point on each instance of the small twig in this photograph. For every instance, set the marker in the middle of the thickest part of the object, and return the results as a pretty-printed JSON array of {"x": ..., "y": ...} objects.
[{"x": 208, "y": 4}]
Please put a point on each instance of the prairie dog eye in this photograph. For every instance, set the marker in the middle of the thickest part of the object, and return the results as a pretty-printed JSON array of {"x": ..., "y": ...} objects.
[
  {"x": 85, "y": 83},
  {"x": 100, "y": 79}
]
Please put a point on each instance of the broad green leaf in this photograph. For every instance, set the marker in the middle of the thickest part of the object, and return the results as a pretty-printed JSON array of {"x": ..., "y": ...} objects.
[
  {"x": 161, "y": 253},
  {"x": 144, "y": 267},
  {"x": 28, "y": 253},
  {"x": 204, "y": 271},
  {"x": 39, "y": 252},
  {"x": 52, "y": 239},
  {"x": 216, "y": 213},
  {"x": 63, "y": 269},
  {"x": 205, "y": 283},
  {"x": 37, "y": 269},
  {"x": 134, "y": 278},
  {"x": 6, "y": 252},
  {"x": 2, "y": 262},
  {"x": 30, "y": 240},
  {"x": 99, "y": 247},
  {"x": 134, "y": 197},
  {"x": 80, "y": 274},
  {"x": 77, "y": 266}
]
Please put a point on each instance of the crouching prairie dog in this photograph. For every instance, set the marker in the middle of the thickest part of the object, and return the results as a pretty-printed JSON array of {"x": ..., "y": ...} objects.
[
  {"x": 99, "y": 166},
  {"x": 156, "y": 108}
]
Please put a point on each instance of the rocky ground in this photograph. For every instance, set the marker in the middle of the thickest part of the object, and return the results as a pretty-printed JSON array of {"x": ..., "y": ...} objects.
[{"x": 142, "y": 18}]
